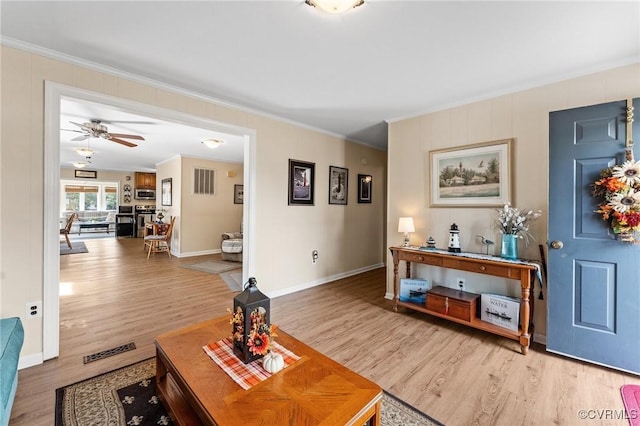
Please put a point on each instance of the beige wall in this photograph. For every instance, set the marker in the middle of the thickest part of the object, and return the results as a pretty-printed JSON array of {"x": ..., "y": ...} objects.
[
  {"x": 205, "y": 217},
  {"x": 522, "y": 116},
  {"x": 348, "y": 238}
]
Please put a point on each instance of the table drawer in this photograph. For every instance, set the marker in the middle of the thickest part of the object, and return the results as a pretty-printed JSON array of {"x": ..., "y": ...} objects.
[
  {"x": 417, "y": 257},
  {"x": 453, "y": 303}
]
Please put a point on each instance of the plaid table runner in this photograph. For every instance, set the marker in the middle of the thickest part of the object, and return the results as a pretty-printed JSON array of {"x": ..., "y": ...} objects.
[{"x": 246, "y": 375}]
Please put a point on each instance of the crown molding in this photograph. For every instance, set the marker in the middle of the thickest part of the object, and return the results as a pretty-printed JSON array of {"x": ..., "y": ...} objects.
[{"x": 63, "y": 57}]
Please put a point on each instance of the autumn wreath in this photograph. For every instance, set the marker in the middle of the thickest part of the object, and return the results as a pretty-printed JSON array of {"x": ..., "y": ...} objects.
[{"x": 618, "y": 194}]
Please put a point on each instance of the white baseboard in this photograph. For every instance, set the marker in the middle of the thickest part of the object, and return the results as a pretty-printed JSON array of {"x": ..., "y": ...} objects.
[
  {"x": 30, "y": 360},
  {"x": 321, "y": 281},
  {"x": 196, "y": 253},
  {"x": 388, "y": 296}
]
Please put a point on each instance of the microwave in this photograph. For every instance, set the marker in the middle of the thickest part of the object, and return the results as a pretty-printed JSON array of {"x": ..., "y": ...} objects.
[{"x": 145, "y": 194}]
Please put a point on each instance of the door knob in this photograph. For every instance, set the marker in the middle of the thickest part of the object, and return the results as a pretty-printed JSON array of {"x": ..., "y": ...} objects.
[{"x": 556, "y": 244}]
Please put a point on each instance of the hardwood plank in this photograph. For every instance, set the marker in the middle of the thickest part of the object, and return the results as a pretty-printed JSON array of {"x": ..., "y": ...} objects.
[{"x": 454, "y": 373}]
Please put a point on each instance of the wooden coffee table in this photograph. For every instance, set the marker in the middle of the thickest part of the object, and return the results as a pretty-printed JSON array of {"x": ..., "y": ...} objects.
[{"x": 314, "y": 390}]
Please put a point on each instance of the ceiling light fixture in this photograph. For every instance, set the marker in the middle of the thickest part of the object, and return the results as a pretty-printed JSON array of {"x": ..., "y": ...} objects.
[
  {"x": 335, "y": 7},
  {"x": 212, "y": 143},
  {"x": 85, "y": 152},
  {"x": 79, "y": 164}
]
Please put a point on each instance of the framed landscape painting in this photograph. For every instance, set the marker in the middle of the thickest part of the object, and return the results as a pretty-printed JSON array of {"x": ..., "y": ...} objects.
[
  {"x": 471, "y": 176},
  {"x": 301, "y": 181},
  {"x": 338, "y": 185}
]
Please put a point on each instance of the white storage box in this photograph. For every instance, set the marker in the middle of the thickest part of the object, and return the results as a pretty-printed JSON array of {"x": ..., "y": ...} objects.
[
  {"x": 414, "y": 290},
  {"x": 500, "y": 310}
]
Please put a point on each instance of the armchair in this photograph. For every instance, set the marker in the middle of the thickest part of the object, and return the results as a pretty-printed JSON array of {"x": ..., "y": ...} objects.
[{"x": 231, "y": 246}]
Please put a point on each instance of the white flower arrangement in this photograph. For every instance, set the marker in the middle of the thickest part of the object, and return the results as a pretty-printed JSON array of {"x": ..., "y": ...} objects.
[{"x": 515, "y": 221}]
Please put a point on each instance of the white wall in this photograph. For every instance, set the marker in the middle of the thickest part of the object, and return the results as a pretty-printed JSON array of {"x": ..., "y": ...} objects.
[
  {"x": 348, "y": 238},
  {"x": 522, "y": 116}
]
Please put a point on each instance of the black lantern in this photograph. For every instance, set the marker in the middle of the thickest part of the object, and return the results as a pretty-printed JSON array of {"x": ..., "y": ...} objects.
[{"x": 250, "y": 319}]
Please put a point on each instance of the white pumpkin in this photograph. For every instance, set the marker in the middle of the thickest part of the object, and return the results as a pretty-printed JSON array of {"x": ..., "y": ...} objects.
[{"x": 273, "y": 362}]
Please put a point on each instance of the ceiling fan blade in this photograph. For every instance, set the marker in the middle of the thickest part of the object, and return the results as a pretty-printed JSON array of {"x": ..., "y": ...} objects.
[
  {"x": 127, "y": 122},
  {"x": 122, "y": 142},
  {"x": 121, "y": 135},
  {"x": 72, "y": 130},
  {"x": 82, "y": 126},
  {"x": 80, "y": 138}
]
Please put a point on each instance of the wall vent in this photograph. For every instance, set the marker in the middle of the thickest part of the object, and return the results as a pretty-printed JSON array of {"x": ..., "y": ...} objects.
[{"x": 203, "y": 181}]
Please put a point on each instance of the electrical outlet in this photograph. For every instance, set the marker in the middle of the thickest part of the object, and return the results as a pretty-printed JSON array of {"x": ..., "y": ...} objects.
[
  {"x": 461, "y": 283},
  {"x": 314, "y": 256},
  {"x": 34, "y": 309}
]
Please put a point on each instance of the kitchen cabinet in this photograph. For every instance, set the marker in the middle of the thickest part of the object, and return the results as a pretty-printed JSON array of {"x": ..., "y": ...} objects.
[{"x": 145, "y": 180}]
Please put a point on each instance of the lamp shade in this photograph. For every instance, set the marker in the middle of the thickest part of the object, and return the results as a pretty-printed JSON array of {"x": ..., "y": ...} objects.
[
  {"x": 212, "y": 143},
  {"x": 405, "y": 224},
  {"x": 85, "y": 152}
]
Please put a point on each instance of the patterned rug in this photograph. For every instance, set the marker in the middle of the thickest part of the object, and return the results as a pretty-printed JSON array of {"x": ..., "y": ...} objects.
[
  {"x": 127, "y": 396},
  {"x": 76, "y": 247}
]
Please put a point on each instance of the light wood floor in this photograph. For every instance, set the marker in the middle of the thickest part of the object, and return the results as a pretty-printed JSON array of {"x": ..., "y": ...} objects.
[{"x": 457, "y": 375}]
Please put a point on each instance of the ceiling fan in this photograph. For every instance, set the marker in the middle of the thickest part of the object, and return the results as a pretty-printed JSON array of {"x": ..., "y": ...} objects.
[{"x": 95, "y": 129}]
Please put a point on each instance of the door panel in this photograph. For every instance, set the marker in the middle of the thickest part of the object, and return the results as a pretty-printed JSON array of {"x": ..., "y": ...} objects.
[
  {"x": 595, "y": 295},
  {"x": 594, "y": 289}
]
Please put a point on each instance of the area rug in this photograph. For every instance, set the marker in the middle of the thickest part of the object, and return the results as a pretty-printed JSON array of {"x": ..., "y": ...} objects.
[
  {"x": 213, "y": 266},
  {"x": 233, "y": 279},
  {"x": 631, "y": 400},
  {"x": 127, "y": 396},
  {"x": 76, "y": 247}
]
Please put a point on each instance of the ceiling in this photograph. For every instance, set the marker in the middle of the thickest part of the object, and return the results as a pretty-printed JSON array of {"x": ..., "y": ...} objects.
[
  {"x": 346, "y": 75},
  {"x": 162, "y": 139}
]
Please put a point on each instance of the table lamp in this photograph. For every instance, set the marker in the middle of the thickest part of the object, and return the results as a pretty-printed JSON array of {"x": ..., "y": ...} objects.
[{"x": 405, "y": 224}]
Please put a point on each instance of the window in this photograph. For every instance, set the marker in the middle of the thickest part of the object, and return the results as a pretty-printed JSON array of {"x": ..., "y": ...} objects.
[
  {"x": 79, "y": 197},
  {"x": 110, "y": 200}
]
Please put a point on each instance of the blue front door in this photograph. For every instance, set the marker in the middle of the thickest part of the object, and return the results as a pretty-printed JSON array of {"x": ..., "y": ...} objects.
[{"x": 594, "y": 283}]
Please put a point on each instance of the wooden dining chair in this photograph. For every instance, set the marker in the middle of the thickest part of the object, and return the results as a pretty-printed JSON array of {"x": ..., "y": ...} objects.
[
  {"x": 160, "y": 243},
  {"x": 67, "y": 228}
]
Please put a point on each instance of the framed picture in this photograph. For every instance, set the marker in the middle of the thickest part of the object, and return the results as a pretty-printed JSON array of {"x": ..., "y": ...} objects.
[
  {"x": 301, "y": 180},
  {"x": 166, "y": 192},
  {"x": 471, "y": 176},
  {"x": 87, "y": 174},
  {"x": 238, "y": 194},
  {"x": 338, "y": 185},
  {"x": 364, "y": 188}
]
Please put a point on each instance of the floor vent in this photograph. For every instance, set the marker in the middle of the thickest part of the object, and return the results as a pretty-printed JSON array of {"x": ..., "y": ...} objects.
[{"x": 109, "y": 352}]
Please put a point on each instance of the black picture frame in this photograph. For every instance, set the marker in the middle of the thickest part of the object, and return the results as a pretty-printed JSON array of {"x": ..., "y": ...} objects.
[
  {"x": 86, "y": 174},
  {"x": 365, "y": 186},
  {"x": 338, "y": 185},
  {"x": 238, "y": 194},
  {"x": 301, "y": 182},
  {"x": 166, "y": 191}
]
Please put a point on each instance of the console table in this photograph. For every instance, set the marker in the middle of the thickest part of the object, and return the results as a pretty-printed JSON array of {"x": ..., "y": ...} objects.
[{"x": 522, "y": 271}]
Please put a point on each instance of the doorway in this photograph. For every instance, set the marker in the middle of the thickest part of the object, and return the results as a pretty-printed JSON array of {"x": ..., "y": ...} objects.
[{"x": 54, "y": 93}]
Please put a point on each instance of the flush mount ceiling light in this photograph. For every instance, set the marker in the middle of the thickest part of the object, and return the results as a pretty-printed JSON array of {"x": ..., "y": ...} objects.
[
  {"x": 212, "y": 143},
  {"x": 85, "y": 152},
  {"x": 335, "y": 7},
  {"x": 79, "y": 164}
]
